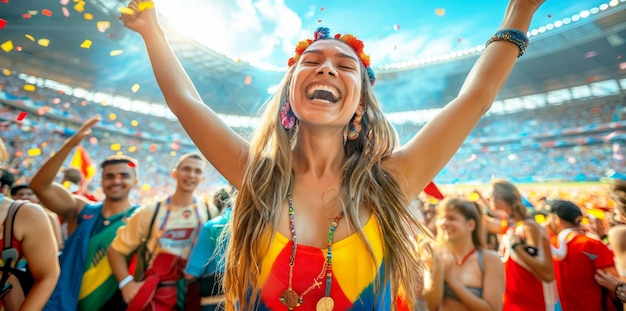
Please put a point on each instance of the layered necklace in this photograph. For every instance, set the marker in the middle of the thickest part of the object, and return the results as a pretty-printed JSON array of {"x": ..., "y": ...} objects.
[{"x": 289, "y": 297}]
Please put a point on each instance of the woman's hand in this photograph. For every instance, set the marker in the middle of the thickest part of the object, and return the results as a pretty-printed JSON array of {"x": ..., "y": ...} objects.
[{"x": 140, "y": 16}]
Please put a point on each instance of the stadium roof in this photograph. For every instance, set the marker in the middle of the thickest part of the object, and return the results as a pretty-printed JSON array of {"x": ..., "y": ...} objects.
[{"x": 578, "y": 53}]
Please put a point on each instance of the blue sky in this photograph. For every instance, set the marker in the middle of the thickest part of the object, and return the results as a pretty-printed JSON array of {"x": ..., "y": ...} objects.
[{"x": 266, "y": 31}]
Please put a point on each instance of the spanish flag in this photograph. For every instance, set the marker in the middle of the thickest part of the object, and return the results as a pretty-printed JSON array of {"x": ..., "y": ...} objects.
[{"x": 82, "y": 162}]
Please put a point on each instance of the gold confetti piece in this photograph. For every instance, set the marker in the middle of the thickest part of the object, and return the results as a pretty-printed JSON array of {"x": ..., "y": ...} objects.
[
  {"x": 135, "y": 88},
  {"x": 29, "y": 37},
  {"x": 142, "y": 6},
  {"x": 473, "y": 197},
  {"x": 80, "y": 6},
  {"x": 172, "y": 154},
  {"x": 32, "y": 12},
  {"x": 116, "y": 147},
  {"x": 112, "y": 116},
  {"x": 116, "y": 52},
  {"x": 34, "y": 152},
  {"x": 67, "y": 184},
  {"x": 440, "y": 12},
  {"x": 132, "y": 149},
  {"x": 7, "y": 46},
  {"x": 103, "y": 26},
  {"x": 6, "y": 72},
  {"x": 88, "y": 16},
  {"x": 43, "y": 42},
  {"x": 86, "y": 44},
  {"x": 134, "y": 123},
  {"x": 127, "y": 11},
  {"x": 104, "y": 103},
  {"x": 29, "y": 88},
  {"x": 145, "y": 187}
]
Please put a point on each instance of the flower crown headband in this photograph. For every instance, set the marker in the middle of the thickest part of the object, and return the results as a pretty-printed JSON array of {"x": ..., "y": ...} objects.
[{"x": 351, "y": 40}]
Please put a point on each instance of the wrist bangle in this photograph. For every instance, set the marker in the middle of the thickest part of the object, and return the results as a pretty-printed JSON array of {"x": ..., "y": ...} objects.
[
  {"x": 620, "y": 292},
  {"x": 516, "y": 245},
  {"x": 514, "y": 36},
  {"x": 125, "y": 281}
]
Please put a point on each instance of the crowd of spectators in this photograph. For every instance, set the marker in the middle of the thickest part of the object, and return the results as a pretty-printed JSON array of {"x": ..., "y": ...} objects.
[{"x": 490, "y": 151}]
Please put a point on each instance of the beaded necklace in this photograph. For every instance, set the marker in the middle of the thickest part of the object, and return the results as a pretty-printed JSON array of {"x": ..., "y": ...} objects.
[{"x": 289, "y": 297}]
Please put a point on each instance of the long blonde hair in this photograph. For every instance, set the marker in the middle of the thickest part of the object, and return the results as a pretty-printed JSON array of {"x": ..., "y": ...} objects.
[{"x": 266, "y": 183}]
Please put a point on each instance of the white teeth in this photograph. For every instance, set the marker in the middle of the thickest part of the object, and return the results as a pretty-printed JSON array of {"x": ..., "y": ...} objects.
[{"x": 321, "y": 87}]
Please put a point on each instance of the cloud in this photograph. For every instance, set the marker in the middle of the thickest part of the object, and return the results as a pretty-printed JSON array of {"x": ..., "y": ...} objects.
[{"x": 250, "y": 30}]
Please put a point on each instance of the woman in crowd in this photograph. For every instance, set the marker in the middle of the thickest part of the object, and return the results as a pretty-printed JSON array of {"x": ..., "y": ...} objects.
[
  {"x": 525, "y": 251},
  {"x": 473, "y": 277},
  {"x": 322, "y": 217},
  {"x": 33, "y": 240}
]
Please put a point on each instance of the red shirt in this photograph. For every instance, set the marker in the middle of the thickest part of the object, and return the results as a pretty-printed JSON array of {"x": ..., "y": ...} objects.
[{"x": 577, "y": 287}]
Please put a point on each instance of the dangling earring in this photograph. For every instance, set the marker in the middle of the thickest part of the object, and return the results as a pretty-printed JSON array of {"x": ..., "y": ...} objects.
[
  {"x": 287, "y": 117},
  {"x": 355, "y": 126}
]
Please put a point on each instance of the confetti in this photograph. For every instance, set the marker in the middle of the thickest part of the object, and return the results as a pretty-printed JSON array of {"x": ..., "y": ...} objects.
[
  {"x": 65, "y": 11},
  {"x": 132, "y": 149},
  {"x": 473, "y": 197},
  {"x": 396, "y": 27},
  {"x": 29, "y": 37},
  {"x": 153, "y": 147},
  {"x": 142, "y": 6},
  {"x": 135, "y": 88},
  {"x": 32, "y": 12},
  {"x": 22, "y": 116},
  {"x": 2, "y": 23},
  {"x": 590, "y": 79},
  {"x": 134, "y": 123},
  {"x": 549, "y": 15},
  {"x": 46, "y": 12},
  {"x": 116, "y": 52},
  {"x": 131, "y": 164},
  {"x": 86, "y": 44},
  {"x": 64, "y": 2},
  {"x": 67, "y": 184},
  {"x": 172, "y": 154},
  {"x": 127, "y": 11},
  {"x": 321, "y": 9},
  {"x": 88, "y": 16},
  {"x": 18, "y": 48},
  {"x": 440, "y": 12},
  {"x": 26, "y": 15},
  {"x": 103, "y": 26},
  {"x": 540, "y": 218},
  {"x": 29, "y": 87},
  {"x": 319, "y": 20},
  {"x": 80, "y": 7},
  {"x": 248, "y": 80},
  {"x": 93, "y": 140},
  {"x": 112, "y": 116},
  {"x": 7, "y": 46},
  {"x": 591, "y": 54},
  {"x": 6, "y": 72},
  {"x": 118, "y": 124},
  {"x": 145, "y": 187},
  {"x": 34, "y": 152},
  {"x": 459, "y": 40},
  {"x": 43, "y": 42},
  {"x": 115, "y": 147}
]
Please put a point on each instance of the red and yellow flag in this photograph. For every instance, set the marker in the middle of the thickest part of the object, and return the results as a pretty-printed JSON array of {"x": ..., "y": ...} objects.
[{"x": 82, "y": 162}]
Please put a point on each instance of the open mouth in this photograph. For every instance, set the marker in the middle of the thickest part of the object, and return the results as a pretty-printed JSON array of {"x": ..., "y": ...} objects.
[{"x": 324, "y": 93}]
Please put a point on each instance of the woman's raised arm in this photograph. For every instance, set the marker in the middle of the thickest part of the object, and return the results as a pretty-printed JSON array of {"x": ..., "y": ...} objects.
[
  {"x": 429, "y": 151},
  {"x": 227, "y": 151}
]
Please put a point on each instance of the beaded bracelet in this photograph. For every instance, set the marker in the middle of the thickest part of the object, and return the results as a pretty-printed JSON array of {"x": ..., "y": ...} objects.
[
  {"x": 514, "y": 36},
  {"x": 620, "y": 292}
]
